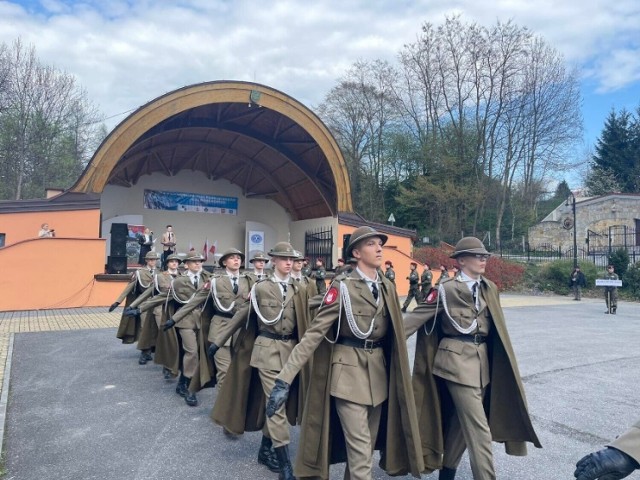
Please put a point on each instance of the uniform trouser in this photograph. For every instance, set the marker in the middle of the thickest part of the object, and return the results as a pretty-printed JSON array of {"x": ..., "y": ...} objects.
[
  {"x": 222, "y": 359},
  {"x": 190, "y": 355},
  {"x": 413, "y": 293},
  {"x": 360, "y": 425},
  {"x": 611, "y": 297},
  {"x": 469, "y": 428},
  {"x": 277, "y": 425}
]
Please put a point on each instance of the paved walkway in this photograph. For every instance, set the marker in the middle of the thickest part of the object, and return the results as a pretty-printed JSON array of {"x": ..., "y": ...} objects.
[
  {"x": 80, "y": 407},
  {"x": 98, "y": 317}
]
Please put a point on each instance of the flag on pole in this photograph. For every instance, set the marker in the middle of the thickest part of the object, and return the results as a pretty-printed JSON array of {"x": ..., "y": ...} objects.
[
  {"x": 212, "y": 248},
  {"x": 205, "y": 250}
]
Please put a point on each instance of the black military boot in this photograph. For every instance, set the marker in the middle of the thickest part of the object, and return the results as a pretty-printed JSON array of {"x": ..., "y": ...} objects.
[
  {"x": 166, "y": 373},
  {"x": 145, "y": 356},
  {"x": 286, "y": 470},
  {"x": 447, "y": 474},
  {"x": 190, "y": 398},
  {"x": 181, "y": 388},
  {"x": 267, "y": 456}
]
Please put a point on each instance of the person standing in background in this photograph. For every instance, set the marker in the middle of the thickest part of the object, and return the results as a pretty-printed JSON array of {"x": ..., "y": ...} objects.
[
  {"x": 389, "y": 273},
  {"x": 576, "y": 282},
  {"x": 168, "y": 243},
  {"x": 425, "y": 282},
  {"x": 45, "y": 232},
  {"x": 611, "y": 293},
  {"x": 320, "y": 275},
  {"x": 413, "y": 287},
  {"x": 146, "y": 242}
]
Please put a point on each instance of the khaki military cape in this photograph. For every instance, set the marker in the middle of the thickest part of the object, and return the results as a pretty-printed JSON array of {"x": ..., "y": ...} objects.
[
  {"x": 629, "y": 442},
  {"x": 321, "y": 437},
  {"x": 506, "y": 406},
  {"x": 167, "y": 350},
  {"x": 206, "y": 375},
  {"x": 240, "y": 405},
  {"x": 129, "y": 328}
]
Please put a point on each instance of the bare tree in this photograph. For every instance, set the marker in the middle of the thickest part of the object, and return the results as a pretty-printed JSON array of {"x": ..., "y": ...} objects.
[{"x": 43, "y": 109}]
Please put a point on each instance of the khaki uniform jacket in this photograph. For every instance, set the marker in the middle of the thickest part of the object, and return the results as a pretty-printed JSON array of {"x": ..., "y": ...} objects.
[
  {"x": 379, "y": 376},
  {"x": 492, "y": 363},
  {"x": 629, "y": 442},
  {"x": 129, "y": 328},
  {"x": 153, "y": 299},
  {"x": 240, "y": 405}
]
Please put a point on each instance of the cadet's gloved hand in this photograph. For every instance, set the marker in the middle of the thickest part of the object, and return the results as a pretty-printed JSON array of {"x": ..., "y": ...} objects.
[
  {"x": 113, "y": 306},
  {"x": 170, "y": 323},
  {"x": 211, "y": 351},
  {"x": 607, "y": 464},
  {"x": 278, "y": 396},
  {"x": 131, "y": 312}
]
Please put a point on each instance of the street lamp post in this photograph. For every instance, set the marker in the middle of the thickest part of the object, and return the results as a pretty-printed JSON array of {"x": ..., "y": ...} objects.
[{"x": 572, "y": 198}]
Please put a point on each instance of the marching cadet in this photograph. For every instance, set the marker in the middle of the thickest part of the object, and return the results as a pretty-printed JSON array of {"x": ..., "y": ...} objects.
[
  {"x": 259, "y": 260},
  {"x": 444, "y": 275},
  {"x": 414, "y": 291},
  {"x": 340, "y": 268},
  {"x": 320, "y": 275},
  {"x": 184, "y": 289},
  {"x": 360, "y": 369},
  {"x": 313, "y": 298},
  {"x": 306, "y": 268},
  {"x": 155, "y": 300},
  {"x": 389, "y": 273},
  {"x": 215, "y": 305},
  {"x": 425, "y": 282},
  {"x": 277, "y": 319},
  {"x": 129, "y": 329},
  {"x": 463, "y": 347},
  {"x": 611, "y": 293}
]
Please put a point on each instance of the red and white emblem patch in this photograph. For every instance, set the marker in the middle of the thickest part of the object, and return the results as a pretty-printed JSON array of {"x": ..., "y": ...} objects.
[
  {"x": 331, "y": 296},
  {"x": 432, "y": 296}
]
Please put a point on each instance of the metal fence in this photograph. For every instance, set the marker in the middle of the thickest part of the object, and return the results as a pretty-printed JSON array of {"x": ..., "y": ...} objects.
[
  {"x": 318, "y": 243},
  {"x": 598, "y": 247}
]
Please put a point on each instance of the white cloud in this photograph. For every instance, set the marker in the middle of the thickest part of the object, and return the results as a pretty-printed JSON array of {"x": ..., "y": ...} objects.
[{"x": 127, "y": 53}]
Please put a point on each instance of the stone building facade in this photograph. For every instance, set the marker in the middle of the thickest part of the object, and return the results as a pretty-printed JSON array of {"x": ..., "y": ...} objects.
[{"x": 600, "y": 221}]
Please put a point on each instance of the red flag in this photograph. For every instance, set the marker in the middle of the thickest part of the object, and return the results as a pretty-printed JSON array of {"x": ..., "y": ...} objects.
[{"x": 212, "y": 249}]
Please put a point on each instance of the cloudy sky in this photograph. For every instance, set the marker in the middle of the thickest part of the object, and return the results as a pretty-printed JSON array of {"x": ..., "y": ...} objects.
[{"x": 127, "y": 52}]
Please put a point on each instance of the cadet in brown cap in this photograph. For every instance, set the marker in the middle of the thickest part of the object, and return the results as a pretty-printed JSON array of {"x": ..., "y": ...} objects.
[
  {"x": 460, "y": 323},
  {"x": 221, "y": 295},
  {"x": 258, "y": 260},
  {"x": 360, "y": 369},
  {"x": 277, "y": 318},
  {"x": 183, "y": 289},
  {"x": 129, "y": 329},
  {"x": 154, "y": 301}
]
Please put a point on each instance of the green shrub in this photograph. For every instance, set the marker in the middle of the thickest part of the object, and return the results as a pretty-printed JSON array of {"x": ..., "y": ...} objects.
[
  {"x": 554, "y": 276},
  {"x": 620, "y": 260},
  {"x": 631, "y": 282}
]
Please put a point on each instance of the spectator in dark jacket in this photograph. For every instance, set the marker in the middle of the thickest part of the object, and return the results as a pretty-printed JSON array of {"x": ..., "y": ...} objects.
[{"x": 576, "y": 282}]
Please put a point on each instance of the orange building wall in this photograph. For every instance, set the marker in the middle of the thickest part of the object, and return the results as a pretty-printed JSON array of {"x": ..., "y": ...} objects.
[
  {"x": 45, "y": 273},
  {"x": 67, "y": 224},
  {"x": 397, "y": 249}
]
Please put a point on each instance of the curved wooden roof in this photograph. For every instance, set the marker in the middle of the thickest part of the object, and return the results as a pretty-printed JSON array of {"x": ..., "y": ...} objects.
[{"x": 256, "y": 137}]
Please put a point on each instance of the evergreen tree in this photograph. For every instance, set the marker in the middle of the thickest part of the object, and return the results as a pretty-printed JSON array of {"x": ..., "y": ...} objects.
[{"x": 617, "y": 155}]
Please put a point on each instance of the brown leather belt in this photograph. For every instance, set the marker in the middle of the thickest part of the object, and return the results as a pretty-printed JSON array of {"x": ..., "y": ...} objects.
[
  {"x": 476, "y": 339},
  {"x": 275, "y": 336},
  {"x": 357, "y": 343}
]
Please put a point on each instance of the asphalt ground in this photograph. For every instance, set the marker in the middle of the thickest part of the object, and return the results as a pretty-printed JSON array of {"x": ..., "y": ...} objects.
[{"x": 80, "y": 407}]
